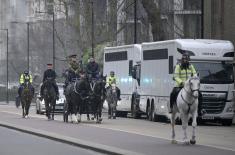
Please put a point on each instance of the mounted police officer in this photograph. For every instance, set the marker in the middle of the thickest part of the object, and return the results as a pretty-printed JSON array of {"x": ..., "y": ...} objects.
[
  {"x": 23, "y": 78},
  {"x": 50, "y": 74},
  {"x": 92, "y": 68},
  {"x": 182, "y": 72},
  {"x": 72, "y": 73},
  {"x": 112, "y": 79}
]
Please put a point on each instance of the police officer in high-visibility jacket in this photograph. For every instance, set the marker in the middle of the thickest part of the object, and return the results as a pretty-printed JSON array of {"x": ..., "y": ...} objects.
[
  {"x": 112, "y": 79},
  {"x": 23, "y": 78},
  {"x": 182, "y": 72}
]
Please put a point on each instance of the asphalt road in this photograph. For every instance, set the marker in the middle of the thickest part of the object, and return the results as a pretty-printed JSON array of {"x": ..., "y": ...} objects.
[
  {"x": 17, "y": 143},
  {"x": 136, "y": 136}
]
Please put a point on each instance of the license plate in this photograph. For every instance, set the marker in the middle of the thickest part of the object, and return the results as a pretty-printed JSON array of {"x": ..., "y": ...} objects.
[
  {"x": 208, "y": 117},
  {"x": 59, "y": 107}
]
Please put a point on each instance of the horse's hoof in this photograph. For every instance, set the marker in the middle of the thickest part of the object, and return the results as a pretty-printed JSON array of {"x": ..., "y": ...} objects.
[
  {"x": 192, "y": 141},
  {"x": 173, "y": 141},
  {"x": 186, "y": 142},
  {"x": 114, "y": 117},
  {"x": 92, "y": 118}
]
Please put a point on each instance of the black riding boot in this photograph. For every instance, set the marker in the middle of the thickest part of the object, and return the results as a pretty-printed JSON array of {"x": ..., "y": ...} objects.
[
  {"x": 118, "y": 94},
  {"x": 173, "y": 97},
  {"x": 171, "y": 101},
  {"x": 57, "y": 91},
  {"x": 19, "y": 92},
  {"x": 41, "y": 92}
]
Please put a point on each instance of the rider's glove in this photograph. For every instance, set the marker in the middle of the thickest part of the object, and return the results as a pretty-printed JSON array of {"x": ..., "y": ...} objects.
[{"x": 182, "y": 84}]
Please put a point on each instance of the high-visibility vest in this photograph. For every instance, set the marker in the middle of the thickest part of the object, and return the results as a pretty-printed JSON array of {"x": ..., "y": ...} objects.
[
  {"x": 182, "y": 74},
  {"x": 25, "y": 77},
  {"x": 111, "y": 80}
]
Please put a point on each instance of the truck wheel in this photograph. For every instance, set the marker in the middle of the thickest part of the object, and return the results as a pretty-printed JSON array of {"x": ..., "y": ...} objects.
[
  {"x": 149, "y": 113},
  {"x": 154, "y": 117},
  {"x": 227, "y": 122},
  {"x": 134, "y": 112}
]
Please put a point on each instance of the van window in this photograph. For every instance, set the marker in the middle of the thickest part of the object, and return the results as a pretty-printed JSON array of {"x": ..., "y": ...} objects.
[
  {"x": 116, "y": 56},
  {"x": 155, "y": 54}
]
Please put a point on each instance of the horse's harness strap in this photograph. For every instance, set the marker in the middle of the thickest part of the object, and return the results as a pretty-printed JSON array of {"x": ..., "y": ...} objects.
[
  {"x": 192, "y": 91},
  {"x": 189, "y": 104},
  {"x": 92, "y": 86},
  {"x": 74, "y": 88}
]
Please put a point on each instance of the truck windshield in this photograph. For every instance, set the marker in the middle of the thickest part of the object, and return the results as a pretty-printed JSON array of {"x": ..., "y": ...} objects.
[{"x": 214, "y": 73}]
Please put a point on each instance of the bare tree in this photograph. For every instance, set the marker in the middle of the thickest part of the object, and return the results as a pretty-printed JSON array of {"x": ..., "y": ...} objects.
[{"x": 154, "y": 17}]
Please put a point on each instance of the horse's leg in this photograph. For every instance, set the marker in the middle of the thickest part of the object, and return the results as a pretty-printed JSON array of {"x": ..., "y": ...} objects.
[
  {"x": 78, "y": 111},
  {"x": 27, "y": 108},
  {"x": 114, "y": 110},
  {"x": 173, "y": 141},
  {"x": 184, "y": 119},
  {"x": 23, "y": 109},
  {"x": 87, "y": 107},
  {"x": 194, "y": 124},
  {"x": 109, "y": 111},
  {"x": 73, "y": 112},
  {"x": 99, "y": 112},
  {"x": 47, "y": 109},
  {"x": 53, "y": 109}
]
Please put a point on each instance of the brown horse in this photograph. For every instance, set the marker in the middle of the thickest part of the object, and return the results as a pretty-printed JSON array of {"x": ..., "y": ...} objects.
[{"x": 26, "y": 98}]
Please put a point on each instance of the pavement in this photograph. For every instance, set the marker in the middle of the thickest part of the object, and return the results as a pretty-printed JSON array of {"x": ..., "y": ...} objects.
[{"x": 118, "y": 136}]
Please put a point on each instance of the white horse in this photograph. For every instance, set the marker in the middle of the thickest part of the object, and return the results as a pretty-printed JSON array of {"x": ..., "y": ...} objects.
[{"x": 187, "y": 105}]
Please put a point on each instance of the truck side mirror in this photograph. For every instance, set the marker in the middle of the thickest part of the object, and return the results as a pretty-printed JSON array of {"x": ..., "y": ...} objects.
[
  {"x": 133, "y": 72},
  {"x": 130, "y": 67}
]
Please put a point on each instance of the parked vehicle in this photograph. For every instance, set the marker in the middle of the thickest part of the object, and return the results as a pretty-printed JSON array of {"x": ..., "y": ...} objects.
[
  {"x": 120, "y": 59},
  {"x": 40, "y": 105},
  {"x": 212, "y": 59}
]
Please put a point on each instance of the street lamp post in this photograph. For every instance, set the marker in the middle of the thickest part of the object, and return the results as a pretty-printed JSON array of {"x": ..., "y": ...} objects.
[
  {"x": 92, "y": 28},
  {"x": 53, "y": 34},
  {"x": 7, "y": 91},
  {"x": 135, "y": 22},
  {"x": 28, "y": 46}
]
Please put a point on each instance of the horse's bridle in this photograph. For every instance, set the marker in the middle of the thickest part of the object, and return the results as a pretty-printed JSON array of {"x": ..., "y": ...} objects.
[{"x": 192, "y": 90}]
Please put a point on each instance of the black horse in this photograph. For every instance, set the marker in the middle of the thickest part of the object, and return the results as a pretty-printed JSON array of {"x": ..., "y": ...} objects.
[
  {"x": 77, "y": 95},
  {"x": 97, "y": 97},
  {"x": 49, "y": 95},
  {"x": 26, "y": 98}
]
